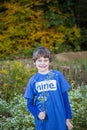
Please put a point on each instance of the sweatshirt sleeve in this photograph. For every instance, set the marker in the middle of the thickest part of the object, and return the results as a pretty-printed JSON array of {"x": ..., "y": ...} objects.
[
  {"x": 32, "y": 108},
  {"x": 67, "y": 106},
  {"x": 65, "y": 86}
]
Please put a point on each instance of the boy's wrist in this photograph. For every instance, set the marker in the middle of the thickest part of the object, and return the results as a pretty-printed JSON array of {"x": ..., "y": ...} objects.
[
  {"x": 69, "y": 124},
  {"x": 68, "y": 120}
]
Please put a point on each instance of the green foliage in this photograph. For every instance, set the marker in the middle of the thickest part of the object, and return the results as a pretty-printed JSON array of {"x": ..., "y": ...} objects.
[
  {"x": 14, "y": 115},
  {"x": 24, "y": 25},
  {"x": 4, "y": 110},
  {"x": 78, "y": 99},
  {"x": 13, "y": 80},
  {"x": 26, "y": 53},
  {"x": 19, "y": 118},
  {"x": 75, "y": 71},
  {"x": 14, "y": 77},
  {"x": 84, "y": 38},
  {"x": 53, "y": 19}
]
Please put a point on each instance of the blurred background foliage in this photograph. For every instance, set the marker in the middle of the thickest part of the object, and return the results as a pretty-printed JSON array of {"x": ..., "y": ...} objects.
[
  {"x": 14, "y": 76},
  {"x": 59, "y": 25}
]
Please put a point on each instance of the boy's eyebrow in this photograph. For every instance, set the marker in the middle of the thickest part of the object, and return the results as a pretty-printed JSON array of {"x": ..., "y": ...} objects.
[{"x": 44, "y": 58}]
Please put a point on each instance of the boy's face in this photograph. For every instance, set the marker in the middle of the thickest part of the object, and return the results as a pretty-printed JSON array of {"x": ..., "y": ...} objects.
[{"x": 42, "y": 64}]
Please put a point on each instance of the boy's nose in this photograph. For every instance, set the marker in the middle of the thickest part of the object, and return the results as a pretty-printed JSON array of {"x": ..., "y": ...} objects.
[{"x": 42, "y": 62}]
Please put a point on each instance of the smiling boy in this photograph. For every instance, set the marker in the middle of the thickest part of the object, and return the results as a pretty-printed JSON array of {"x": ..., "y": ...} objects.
[{"x": 46, "y": 94}]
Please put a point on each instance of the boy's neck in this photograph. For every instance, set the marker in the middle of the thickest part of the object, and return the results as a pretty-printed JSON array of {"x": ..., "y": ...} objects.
[{"x": 44, "y": 72}]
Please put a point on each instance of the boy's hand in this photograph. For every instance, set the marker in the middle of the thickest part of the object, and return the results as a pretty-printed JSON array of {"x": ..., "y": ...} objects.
[
  {"x": 42, "y": 115},
  {"x": 68, "y": 124}
]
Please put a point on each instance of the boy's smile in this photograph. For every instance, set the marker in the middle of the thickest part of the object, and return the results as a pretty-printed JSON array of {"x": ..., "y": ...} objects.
[
  {"x": 46, "y": 94},
  {"x": 42, "y": 64}
]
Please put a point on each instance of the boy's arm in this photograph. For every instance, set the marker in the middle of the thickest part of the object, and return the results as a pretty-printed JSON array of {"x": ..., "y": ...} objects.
[
  {"x": 68, "y": 111},
  {"x": 32, "y": 108},
  {"x": 67, "y": 106}
]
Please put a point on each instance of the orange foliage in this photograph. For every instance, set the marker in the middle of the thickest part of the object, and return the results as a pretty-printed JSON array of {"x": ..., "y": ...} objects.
[{"x": 23, "y": 26}]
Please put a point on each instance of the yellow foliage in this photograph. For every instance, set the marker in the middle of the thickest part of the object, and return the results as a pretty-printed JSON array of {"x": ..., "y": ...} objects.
[
  {"x": 76, "y": 31},
  {"x": 4, "y": 71},
  {"x": 24, "y": 26},
  {"x": 5, "y": 85}
]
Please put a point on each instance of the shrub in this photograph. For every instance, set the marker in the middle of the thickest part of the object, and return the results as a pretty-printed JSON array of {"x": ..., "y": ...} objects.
[
  {"x": 4, "y": 110},
  {"x": 19, "y": 118},
  {"x": 78, "y": 99},
  {"x": 14, "y": 78},
  {"x": 15, "y": 116}
]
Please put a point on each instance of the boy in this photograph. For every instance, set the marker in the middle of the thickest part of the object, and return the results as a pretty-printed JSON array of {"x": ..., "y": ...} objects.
[{"x": 46, "y": 95}]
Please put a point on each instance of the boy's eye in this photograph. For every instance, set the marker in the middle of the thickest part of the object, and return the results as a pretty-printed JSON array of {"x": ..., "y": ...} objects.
[
  {"x": 39, "y": 60},
  {"x": 43, "y": 60}
]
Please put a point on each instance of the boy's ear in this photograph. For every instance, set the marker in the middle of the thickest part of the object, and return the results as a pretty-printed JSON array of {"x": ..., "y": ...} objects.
[{"x": 34, "y": 62}]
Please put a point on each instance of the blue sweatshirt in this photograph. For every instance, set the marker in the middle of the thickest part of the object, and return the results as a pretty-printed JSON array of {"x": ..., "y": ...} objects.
[
  {"x": 35, "y": 112},
  {"x": 49, "y": 92}
]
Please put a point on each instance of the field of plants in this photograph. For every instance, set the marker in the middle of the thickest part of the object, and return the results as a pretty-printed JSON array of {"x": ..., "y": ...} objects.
[
  {"x": 14, "y": 76},
  {"x": 60, "y": 26}
]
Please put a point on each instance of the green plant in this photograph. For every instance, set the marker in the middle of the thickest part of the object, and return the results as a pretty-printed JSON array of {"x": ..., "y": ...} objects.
[
  {"x": 25, "y": 25},
  {"x": 75, "y": 71},
  {"x": 19, "y": 117},
  {"x": 14, "y": 77},
  {"x": 78, "y": 99}
]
